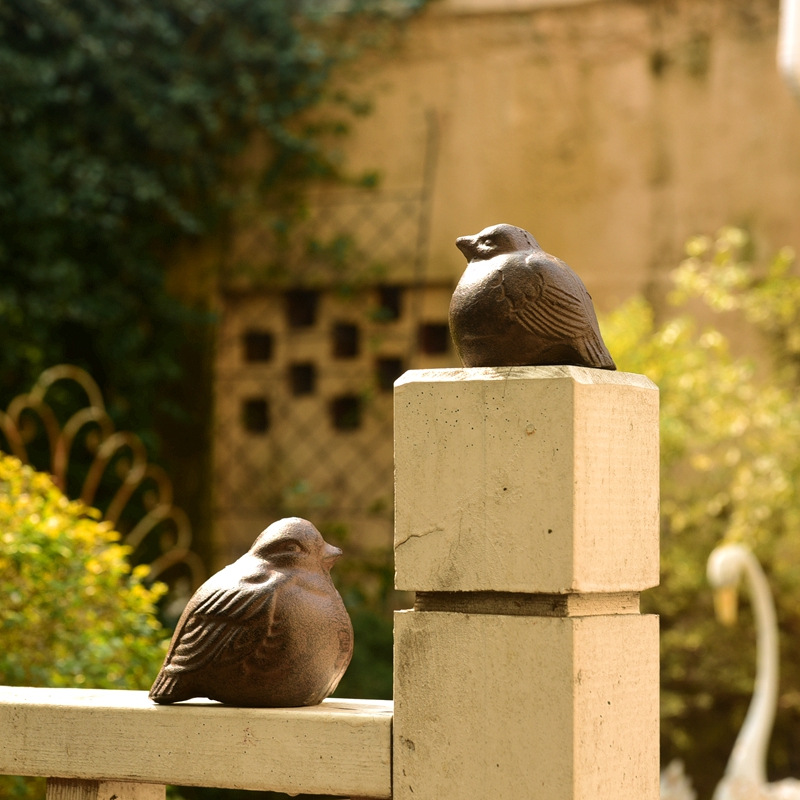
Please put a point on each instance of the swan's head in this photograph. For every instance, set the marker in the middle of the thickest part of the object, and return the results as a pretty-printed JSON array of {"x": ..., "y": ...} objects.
[{"x": 724, "y": 570}]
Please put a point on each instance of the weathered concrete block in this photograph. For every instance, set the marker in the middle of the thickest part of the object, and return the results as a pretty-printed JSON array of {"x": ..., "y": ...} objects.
[
  {"x": 526, "y": 479},
  {"x": 540, "y": 708}
]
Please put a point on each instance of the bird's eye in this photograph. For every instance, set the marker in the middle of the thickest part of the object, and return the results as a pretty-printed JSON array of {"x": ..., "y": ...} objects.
[{"x": 284, "y": 548}]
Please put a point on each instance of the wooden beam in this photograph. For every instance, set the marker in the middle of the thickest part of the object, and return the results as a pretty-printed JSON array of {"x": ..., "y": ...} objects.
[
  {"x": 341, "y": 747},
  {"x": 67, "y": 789}
]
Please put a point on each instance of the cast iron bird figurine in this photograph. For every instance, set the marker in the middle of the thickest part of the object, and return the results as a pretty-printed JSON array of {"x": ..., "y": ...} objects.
[
  {"x": 269, "y": 630},
  {"x": 516, "y": 305}
]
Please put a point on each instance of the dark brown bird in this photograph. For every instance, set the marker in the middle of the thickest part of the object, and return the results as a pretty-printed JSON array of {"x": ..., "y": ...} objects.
[
  {"x": 269, "y": 630},
  {"x": 516, "y": 305}
]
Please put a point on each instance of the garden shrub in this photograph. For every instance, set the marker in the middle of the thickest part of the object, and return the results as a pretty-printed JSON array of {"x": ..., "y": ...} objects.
[
  {"x": 73, "y": 612},
  {"x": 730, "y": 471}
]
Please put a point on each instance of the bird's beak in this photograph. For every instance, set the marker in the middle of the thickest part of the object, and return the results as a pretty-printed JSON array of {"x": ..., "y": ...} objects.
[
  {"x": 466, "y": 245},
  {"x": 330, "y": 555},
  {"x": 726, "y": 605}
]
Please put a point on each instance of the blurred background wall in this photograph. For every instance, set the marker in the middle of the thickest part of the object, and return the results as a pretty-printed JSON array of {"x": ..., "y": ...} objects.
[{"x": 611, "y": 130}]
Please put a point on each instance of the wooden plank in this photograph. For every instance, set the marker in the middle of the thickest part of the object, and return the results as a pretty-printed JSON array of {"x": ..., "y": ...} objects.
[
  {"x": 68, "y": 789},
  {"x": 341, "y": 747}
]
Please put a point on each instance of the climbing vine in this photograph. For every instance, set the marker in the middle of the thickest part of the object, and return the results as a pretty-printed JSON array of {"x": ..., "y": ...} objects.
[{"x": 122, "y": 124}]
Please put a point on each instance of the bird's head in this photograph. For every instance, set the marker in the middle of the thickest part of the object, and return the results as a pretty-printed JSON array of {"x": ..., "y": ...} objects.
[
  {"x": 494, "y": 241},
  {"x": 724, "y": 570},
  {"x": 294, "y": 543}
]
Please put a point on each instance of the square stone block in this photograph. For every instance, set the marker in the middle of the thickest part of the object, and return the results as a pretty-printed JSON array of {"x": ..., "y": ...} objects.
[
  {"x": 526, "y": 479},
  {"x": 539, "y": 708}
]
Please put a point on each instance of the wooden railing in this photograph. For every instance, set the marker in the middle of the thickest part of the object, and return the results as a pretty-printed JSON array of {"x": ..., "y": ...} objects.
[
  {"x": 340, "y": 747},
  {"x": 527, "y": 524}
]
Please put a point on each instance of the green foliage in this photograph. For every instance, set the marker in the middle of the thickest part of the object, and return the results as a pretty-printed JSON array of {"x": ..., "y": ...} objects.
[
  {"x": 73, "y": 613},
  {"x": 730, "y": 439},
  {"x": 121, "y": 124}
]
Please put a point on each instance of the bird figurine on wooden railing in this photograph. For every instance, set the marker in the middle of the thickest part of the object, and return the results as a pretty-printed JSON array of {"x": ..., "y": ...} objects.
[
  {"x": 270, "y": 630},
  {"x": 516, "y": 305}
]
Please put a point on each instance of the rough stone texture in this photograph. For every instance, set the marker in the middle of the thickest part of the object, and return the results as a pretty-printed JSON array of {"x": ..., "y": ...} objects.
[
  {"x": 510, "y": 707},
  {"x": 532, "y": 479},
  {"x": 514, "y": 488}
]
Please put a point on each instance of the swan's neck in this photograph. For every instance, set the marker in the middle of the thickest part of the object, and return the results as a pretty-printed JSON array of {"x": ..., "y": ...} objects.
[{"x": 749, "y": 757}]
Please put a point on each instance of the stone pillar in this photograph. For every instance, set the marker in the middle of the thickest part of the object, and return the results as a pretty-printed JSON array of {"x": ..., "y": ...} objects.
[{"x": 527, "y": 524}]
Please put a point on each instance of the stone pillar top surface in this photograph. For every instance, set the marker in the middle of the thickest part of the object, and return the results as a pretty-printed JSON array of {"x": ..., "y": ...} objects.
[{"x": 581, "y": 375}]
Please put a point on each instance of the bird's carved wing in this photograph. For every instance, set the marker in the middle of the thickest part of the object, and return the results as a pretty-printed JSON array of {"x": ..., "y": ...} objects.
[
  {"x": 218, "y": 628},
  {"x": 555, "y": 305}
]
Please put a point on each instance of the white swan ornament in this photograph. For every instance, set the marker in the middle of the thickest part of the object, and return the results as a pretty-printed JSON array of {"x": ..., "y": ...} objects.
[
  {"x": 745, "y": 775},
  {"x": 675, "y": 785}
]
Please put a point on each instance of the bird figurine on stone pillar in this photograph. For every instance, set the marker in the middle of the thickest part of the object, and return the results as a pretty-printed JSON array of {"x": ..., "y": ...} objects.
[
  {"x": 516, "y": 305},
  {"x": 269, "y": 630}
]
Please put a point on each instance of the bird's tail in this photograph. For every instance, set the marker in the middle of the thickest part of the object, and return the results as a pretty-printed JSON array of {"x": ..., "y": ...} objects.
[
  {"x": 596, "y": 353},
  {"x": 167, "y": 689}
]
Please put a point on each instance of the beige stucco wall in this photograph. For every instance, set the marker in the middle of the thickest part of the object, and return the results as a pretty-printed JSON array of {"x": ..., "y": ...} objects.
[{"x": 611, "y": 130}]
